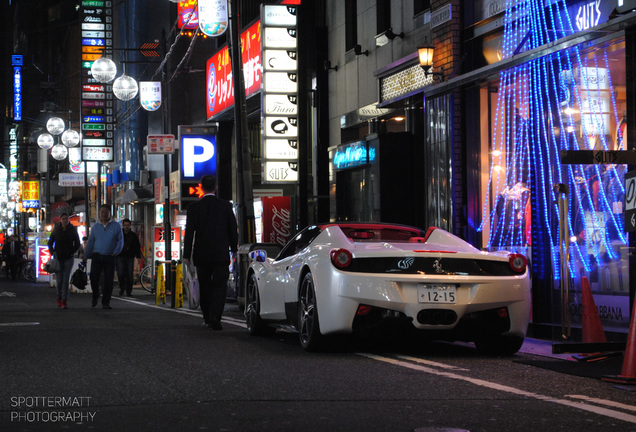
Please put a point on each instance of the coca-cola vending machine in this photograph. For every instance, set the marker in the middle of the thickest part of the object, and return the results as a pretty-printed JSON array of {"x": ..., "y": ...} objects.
[{"x": 276, "y": 220}]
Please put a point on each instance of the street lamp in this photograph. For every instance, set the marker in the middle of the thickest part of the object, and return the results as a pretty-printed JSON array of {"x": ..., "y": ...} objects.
[
  {"x": 125, "y": 87},
  {"x": 104, "y": 70},
  {"x": 59, "y": 151},
  {"x": 425, "y": 54},
  {"x": 55, "y": 125},
  {"x": 45, "y": 140},
  {"x": 70, "y": 138}
]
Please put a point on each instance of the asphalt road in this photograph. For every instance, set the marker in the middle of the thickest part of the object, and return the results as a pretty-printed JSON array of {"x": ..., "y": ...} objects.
[{"x": 141, "y": 367}]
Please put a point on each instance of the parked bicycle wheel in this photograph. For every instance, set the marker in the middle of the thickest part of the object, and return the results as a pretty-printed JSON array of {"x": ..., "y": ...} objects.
[
  {"x": 28, "y": 271},
  {"x": 146, "y": 279}
]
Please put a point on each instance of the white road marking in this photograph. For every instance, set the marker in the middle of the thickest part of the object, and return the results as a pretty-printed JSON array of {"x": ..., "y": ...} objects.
[
  {"x": 431, "y": 363},
  {"x": 494, "y": 386},
  {"x": 195, "y": 313},
  {"x": 603, "y": 402},
  {"x": 7, "y": 294},
  {"x": 15, "y": 324}
]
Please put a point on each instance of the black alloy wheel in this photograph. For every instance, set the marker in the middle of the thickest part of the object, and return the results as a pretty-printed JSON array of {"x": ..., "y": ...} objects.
[
  {"x": 308, "y": 324},
  {"x": 255, "y": 324}
]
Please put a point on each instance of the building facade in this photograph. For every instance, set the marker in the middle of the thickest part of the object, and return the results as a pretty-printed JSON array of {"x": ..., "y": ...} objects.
[{"x": 514, "y": 84}]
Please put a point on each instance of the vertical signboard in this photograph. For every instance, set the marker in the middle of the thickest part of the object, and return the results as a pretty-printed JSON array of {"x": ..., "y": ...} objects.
[
  {"x": 150, "y": 95},
  {"x": 213, "y": 17},
  {"x": 16, "y": 61},
  {"x": 97, "y": 121},
  {"x": 276, "y": 220},
  {"x": 279, "y": 93},
  {"x": 198, "y": 157},
  {"x": 30, "y": 194},
  {"x": 160, "y": 244},
  {"x": 219, "y": 85}
]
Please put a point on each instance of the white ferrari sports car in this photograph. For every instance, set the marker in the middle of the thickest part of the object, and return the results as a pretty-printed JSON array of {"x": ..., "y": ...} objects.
[{"x": 342, "y": 277}]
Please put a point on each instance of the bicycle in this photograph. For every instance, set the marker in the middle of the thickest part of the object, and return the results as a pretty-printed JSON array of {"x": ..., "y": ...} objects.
[
  {"x": 147, "y": 280},
  {"x": 27, "y": 270}
]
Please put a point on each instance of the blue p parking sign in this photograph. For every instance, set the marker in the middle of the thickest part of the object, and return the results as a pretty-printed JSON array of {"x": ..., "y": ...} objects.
[{"x": 198, "y": 156}]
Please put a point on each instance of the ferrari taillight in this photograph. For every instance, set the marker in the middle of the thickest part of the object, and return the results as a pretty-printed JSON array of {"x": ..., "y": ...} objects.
[
  {"x": 363, "y": 310},
  {"x": 340, "y": 258},
  {"x": 518, "y": 263}
]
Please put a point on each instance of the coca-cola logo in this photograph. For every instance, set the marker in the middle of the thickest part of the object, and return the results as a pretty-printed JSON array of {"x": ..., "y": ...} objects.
[{"x": 281, "y": 225}]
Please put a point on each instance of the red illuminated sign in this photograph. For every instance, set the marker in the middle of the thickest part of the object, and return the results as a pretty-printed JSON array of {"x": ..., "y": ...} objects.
[
  {"x": 190, "y": 190},
  {"x": 188, "y": 14},
  {"x": 93, "y": 88},
  {"x": 219, "y": 83}
]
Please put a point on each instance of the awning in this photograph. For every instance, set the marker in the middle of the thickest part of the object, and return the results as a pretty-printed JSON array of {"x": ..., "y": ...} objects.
[{"x": 136, "y": 195}]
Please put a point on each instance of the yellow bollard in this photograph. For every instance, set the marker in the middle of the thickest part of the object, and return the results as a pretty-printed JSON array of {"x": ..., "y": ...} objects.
[
  {"x": 178, "y": 289},
  {"x": 161, "y": 286}
]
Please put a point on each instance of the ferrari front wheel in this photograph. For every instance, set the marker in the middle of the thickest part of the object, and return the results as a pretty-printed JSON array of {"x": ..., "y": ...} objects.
[
  {"x": 255, "y": 324},
  {"x": 308, "y": 325}
]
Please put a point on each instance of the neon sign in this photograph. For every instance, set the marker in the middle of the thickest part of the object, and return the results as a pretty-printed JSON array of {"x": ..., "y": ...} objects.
[{"x": 353, "y": 155}]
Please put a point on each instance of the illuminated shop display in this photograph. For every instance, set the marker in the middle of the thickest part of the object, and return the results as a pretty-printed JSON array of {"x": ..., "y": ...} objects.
[{"x": 569, "y": 100}]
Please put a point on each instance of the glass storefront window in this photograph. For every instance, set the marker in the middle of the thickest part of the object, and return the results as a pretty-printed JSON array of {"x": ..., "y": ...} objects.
[{"x": 569, "y": 100}]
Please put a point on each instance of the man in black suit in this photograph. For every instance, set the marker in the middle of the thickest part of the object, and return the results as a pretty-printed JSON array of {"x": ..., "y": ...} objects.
[{"x": 211, "y": 224}]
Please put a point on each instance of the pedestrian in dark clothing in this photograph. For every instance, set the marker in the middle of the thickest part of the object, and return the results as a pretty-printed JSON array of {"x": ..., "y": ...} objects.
[
  {"x": 63, "y": 244},
  {"x": 82, "y": 249},
  {"x": 11, "y": 251},
  {"x": 104, "y": 244},
  {"x": 126, "y": 259},
  {"x": 211, "y": 226}
]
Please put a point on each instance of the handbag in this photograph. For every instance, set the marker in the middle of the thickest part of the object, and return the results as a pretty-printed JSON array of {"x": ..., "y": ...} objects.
[
  {"x": 79, "y": 279},
  {"x": 52, "y": 266},
  {"x": 191, "y": 285}
]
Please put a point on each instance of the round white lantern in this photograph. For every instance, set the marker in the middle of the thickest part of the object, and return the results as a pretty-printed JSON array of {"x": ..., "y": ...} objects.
[
  {"x": 125, "y": 88},
  {"x": 70, "y": 138},
  {"x": 59, "y": 152},
  {"x": 45, "y": 140},
  {"x": 55, "y": 125},
  {"x": 104, "y": 69}
]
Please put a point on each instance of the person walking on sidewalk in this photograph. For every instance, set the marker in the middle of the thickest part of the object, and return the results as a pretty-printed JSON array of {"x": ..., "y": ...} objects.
[
  {"x": 211, "y": 225},
  {"x": 105, "y": 241},
  {"x": 80, "y": 252},
  {"x": 11, "y": 252},
  {"x": 126, "y": 259},
  {"x": 63, "y": 244}
]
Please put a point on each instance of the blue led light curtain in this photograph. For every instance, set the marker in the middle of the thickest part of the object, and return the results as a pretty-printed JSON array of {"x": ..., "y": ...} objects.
[{"x": 568, "y": 100}]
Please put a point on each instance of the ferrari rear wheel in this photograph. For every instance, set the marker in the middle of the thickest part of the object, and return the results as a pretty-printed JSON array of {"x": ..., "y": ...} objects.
[
  {"x": 255, "y": 324},
  {"x": 308, "y": 325},
  {"x": 499, "y": 345}
]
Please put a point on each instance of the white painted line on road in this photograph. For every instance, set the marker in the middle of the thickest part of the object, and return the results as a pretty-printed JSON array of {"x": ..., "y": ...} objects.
[
  {"x": 499, "y": 387},
  {"x": 7, "y": 294},
  {"x": 431, "y": 363},
  {"x": 604, "y": 402},
  {"x": 234, "y": 321},
  {"x": 228, "y": 320},
  {"x": 14, "y": 324}
]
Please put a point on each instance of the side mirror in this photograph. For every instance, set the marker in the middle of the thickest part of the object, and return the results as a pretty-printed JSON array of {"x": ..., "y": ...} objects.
[{"x": 258, "y": 256}]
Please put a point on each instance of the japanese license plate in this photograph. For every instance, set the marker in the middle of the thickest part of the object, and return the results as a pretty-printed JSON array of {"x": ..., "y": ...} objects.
[{"x": 436, "y": 293}]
